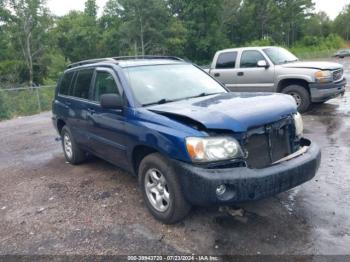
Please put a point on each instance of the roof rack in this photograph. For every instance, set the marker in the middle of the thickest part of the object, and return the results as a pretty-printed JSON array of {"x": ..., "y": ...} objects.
[
  {"x": 148, "y": 57},
  {"x": 119, "y": 58},
  {"x": 92, "y": 61}
]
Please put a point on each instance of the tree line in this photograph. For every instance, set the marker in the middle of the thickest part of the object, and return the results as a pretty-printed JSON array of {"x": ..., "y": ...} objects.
[{"x": 35, "y": 45}]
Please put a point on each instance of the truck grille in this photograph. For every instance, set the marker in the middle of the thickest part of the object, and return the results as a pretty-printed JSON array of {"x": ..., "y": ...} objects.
[
  {"x": 337, "y": 75},
  {"x": 269, "y": 143}
]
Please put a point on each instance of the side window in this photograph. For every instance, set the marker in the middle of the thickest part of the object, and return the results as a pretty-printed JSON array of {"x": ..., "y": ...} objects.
[
  {"x": 66, "y": 83},
  {"x": 226, "y": 60},
  {"x": 104, "y": 84},
  {"x": 82, "y": 84},
  {"x": 250, "y": 59}
]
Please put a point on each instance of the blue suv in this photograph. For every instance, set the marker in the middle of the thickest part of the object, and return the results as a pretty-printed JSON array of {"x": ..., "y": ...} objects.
[{"x": 189, "y": 140}]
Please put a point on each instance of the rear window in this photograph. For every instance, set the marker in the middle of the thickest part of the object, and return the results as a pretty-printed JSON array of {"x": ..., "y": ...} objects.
[
  {"x": 226, "y": 60},
  {"x": 82, "y": 84},
  {"x": 65, "y": 83}
]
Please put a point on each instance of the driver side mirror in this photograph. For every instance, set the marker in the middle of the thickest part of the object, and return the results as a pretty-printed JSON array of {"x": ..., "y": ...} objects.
[
  {"x": 111, "y": 101},
  {"x": 263, "y": 63}
]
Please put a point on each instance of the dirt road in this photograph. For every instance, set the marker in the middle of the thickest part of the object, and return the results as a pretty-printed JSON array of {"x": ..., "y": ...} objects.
[{"x": 50, "y": 207}]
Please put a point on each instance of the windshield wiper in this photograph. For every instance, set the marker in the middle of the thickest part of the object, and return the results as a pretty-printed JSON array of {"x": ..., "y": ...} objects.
[
  {"x": 159, "y": 102},
  {"x": 164, "y": 100},
  {"x": 202, "y": 95}
]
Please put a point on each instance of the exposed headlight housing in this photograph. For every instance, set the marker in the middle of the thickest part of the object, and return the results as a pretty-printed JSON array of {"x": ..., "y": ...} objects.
[
  {"x": 324, "y": 76},
  {"x": 299, "y": 125},
  {"x": 211, "y": 149}
]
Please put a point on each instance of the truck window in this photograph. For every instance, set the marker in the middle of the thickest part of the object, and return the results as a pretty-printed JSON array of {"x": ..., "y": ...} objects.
[
  {"x": 250, "y": 58},
  {"x": 66, "y": 83},
  {"x": 82, "y": 84},
  {"x": 104, "y": 84},
  {"x": 226, "y": 60}
]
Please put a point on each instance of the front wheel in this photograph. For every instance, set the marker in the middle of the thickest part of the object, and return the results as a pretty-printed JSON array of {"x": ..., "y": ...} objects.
[
  {"x": 161, "y": 189},
  {"x": 300, "y": 95}
]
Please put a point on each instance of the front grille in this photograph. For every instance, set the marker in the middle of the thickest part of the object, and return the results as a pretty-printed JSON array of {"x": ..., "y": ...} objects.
[
  {"x": 337, "y": 75},
  {"x": 270, "y": 143}
]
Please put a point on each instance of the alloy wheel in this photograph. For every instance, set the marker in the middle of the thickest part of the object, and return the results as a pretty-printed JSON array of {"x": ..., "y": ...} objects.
[
  {"x": 67, "y": 144},
  {"x": 157, "y": 190}
]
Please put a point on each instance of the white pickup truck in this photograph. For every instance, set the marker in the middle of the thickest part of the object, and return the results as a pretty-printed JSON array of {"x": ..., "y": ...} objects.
[{"x": 275, "y": 69}]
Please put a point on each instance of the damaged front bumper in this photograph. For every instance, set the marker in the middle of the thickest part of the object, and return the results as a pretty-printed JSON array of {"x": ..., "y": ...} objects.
[
  {"x": 203, "y": 186},
  {"x": 323, "y": 92}
]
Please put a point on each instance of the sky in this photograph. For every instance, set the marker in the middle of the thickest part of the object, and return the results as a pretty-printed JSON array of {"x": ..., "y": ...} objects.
[{"x": 62, "y": 7}]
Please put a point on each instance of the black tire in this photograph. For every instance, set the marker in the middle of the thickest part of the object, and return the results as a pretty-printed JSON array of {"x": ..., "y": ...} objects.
[
  {"x": 77, "y": 155},
  {"x": 299, "y": 93},
  {"x": 178, "y": 207}
]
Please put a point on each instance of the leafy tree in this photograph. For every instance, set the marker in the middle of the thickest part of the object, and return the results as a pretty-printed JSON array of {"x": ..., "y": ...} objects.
[
  {"x": 176, "y": 38},
  {"x": 143, "y": 25},
  {"x": 35, "y": 46},
  {"x": 265, "y": 16},
  {"x": 231, "y": 21},
  {"x": 77, "y": 37},
  {"x": 91, "y": 8},
  {"x": 4, "y": 12},
  {"x": 202, "y": 21},
  {"x": 342, "y": 23},
  {"x": 293, "y": 15},
  {"x": 318, "y": 25},
  {"x": 28, "y": 23},
  {"x": 109, "y": 25}
]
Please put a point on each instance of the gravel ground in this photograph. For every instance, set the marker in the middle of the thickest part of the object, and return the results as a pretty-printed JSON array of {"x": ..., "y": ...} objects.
[{"x": 50, "y": 207}]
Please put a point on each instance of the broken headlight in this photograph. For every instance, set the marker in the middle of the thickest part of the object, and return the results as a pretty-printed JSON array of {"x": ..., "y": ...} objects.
[{"x": 211, "y": 149}]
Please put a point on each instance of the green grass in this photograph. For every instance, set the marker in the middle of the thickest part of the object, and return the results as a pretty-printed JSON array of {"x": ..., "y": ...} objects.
[
  {"x": 309, "y": 47},
  {"x": 309, "y": 54},
  {"x": 25, "y": 102},
  {"x": 317, "y": 47}
]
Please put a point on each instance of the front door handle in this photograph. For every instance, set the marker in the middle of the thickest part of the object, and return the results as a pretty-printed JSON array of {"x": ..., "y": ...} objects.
[
  {"x": 240, "y": 73},
  {"x": 217, "y": 74},
  {"x": 91, "y": 111}
]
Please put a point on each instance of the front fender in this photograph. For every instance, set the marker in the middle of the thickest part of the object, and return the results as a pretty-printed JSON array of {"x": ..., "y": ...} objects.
[
  {"x": 160, "y": 133},
  {"x": 306, "y": 78}
]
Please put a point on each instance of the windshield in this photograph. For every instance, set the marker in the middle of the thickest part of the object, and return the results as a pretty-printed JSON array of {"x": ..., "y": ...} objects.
[
  {"x": 280, "y": 55},
  {"x": 158, "y": 84}
]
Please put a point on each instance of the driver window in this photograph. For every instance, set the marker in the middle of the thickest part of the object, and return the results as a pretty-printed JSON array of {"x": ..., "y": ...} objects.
[
  {"x": 104, "y": 84},
  {"x": 250, "y": 59}
]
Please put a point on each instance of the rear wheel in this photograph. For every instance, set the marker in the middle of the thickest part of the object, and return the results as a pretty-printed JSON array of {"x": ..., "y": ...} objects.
[
  {"x": 301, "y": 96},
  {"x": 161, "y": 189},
  {"x": 74, "y": 155}
]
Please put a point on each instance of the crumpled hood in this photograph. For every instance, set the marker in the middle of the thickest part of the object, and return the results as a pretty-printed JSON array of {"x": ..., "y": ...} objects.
[
  {"x": 314, "y": 65},
  {"x": 231, "y": 111}
]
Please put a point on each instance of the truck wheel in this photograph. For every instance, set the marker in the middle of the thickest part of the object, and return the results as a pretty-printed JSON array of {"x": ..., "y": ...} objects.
[
  {"x": 161, "y": 189},
  {"x": 301, "y": 96},
  {"x": 74, "y": 155}
]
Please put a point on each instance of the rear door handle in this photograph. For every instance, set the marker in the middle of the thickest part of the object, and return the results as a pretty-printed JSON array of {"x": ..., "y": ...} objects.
[
  {"x": 217, "y": 74},
  {"x": 240, "y": 73}
]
